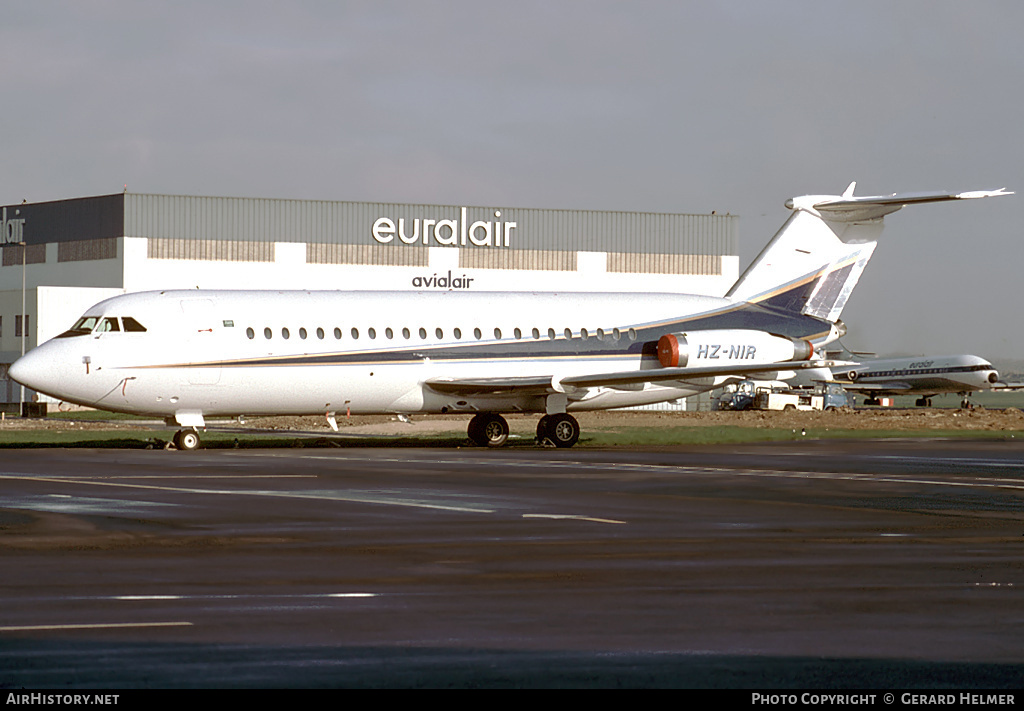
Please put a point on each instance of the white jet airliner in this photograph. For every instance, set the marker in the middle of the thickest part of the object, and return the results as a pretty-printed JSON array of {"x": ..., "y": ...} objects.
[
  {"x": 189, "y": 355},
  {"x": 924, "y": 376}
]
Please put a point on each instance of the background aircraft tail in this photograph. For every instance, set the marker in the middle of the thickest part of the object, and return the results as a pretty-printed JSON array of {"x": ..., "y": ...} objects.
[{"x": 814, "y": 261}]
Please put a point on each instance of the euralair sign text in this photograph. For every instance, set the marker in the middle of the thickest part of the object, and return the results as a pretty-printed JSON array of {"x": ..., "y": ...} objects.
[
  {"x": 458, "y": 233},
  {"x": 13, "y": 229}
]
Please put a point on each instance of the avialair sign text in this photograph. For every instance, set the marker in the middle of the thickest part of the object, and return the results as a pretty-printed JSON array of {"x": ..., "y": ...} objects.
[{"x": 461, "y": 232}]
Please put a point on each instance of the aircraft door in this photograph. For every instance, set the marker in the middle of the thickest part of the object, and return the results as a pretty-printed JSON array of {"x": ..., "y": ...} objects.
[{"x": 200, "y": 340}]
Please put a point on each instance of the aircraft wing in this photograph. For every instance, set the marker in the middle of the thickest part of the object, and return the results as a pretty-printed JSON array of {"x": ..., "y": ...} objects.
[
  {"x": 548, "y": 384},
  {"x": 1007, "y": 386},
  {"x": 893, "y": 386}
]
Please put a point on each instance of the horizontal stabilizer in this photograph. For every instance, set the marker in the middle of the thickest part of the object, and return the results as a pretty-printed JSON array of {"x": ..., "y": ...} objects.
[{"x": 847, "y": 208}]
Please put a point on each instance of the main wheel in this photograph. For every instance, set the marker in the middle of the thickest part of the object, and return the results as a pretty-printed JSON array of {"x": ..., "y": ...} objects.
[
  {"x": 562, "y": 429},
  {"x": 488, "y": 430},
  {"x": 542, "y": 428},
  {"x": 186, "y": 440}
]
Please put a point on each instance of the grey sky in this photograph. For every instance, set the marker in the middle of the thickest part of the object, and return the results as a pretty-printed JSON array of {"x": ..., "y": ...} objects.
[{"x": 643, "y": 106}]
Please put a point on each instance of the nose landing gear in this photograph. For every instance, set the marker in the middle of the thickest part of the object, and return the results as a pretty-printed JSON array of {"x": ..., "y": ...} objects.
[{"x": 187, "y": 440}]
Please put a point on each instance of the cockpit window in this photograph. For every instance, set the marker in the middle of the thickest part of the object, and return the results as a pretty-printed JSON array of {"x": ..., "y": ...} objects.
[
  {"x": 106, "y": 324},
  {"x": 132, "y": 326},
  {"x": 82, "y": 327}
]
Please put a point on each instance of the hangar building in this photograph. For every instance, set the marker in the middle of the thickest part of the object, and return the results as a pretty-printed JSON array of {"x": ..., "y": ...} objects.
[{"x": 61, "y": 257}]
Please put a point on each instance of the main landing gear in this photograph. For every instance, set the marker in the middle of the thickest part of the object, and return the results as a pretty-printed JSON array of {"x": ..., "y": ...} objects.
[
  {"x": 562, "y": 430},
  {"x": 187, "y": 440},
  {"x": 489, "y": 429}
]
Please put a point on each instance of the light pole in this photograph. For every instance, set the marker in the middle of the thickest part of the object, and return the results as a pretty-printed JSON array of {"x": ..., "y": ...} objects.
[{"x": 24, "y": 324}]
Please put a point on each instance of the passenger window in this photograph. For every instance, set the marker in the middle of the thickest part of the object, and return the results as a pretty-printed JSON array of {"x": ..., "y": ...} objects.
[
  {"x": 371, "y": 332},
  {"x": 423, "y": 333},
  {"x": 250, "y": 333},
  {"x": 267, "y": 333},
  {"x": 497, "y": 333},
  {"x": 355, "y": 333},
  {"x": 583, "y": 333},
  {"x": 320, "y": 333},
  {"x": 477, "y": 333},
  {"x": 536, "y": 333},
  {"x": 285, "y": 334},
  {"x": 389, "y": 333},
  {"x": 302, "y": 333},
  {"x": 337, "y": 333},
  {"x": 568, "y": 333},
  {"x": 518, "y": 333},
  {"x": 457, "y": 333},
  {"x": 405, "y": 334},
  {"x": 551, "y": 334},
  {"x": 439, "y": 333}
]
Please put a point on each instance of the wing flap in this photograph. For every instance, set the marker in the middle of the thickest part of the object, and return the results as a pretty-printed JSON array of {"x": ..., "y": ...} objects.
[
  {"x": 549, "y": 384},
  {"x": 524, "y": 385},
  {"x": 666, "y": 374}
]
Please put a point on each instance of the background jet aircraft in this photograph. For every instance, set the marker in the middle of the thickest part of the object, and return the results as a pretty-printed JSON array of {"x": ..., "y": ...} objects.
[{"x": 923, "y": 376}]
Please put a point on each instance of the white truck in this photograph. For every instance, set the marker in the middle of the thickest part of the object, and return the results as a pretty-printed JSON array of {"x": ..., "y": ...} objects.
[{"x": 824, "y": 396}]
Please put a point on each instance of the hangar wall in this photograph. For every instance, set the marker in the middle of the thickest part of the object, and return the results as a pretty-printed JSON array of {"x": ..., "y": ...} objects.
[{"x": 73, "y": 253}]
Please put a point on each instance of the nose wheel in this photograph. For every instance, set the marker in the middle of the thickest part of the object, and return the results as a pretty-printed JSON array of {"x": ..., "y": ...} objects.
[
  {"x": 562, "y": 430},
  {"x": 186, "y": 440}
]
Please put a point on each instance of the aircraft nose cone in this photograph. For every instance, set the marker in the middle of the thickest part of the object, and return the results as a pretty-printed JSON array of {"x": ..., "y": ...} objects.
[{"x": 30, "y": 370}]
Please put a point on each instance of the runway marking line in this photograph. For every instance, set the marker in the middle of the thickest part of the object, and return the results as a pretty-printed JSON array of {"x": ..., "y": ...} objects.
[
  {"x": 93, "y": 626},
  {"x": 313, "y": 596},
  {"x": 573, "y": 517},
  {"x": 278, "y": 494}
]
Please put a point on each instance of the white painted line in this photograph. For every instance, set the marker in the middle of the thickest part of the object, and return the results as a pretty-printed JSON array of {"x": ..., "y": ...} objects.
[
  {"x": 147, "y": 597},
  {"x": 96, "y": 626},
  {"x": 272, "y": 494},
  {"x": 574, "y": 517}
]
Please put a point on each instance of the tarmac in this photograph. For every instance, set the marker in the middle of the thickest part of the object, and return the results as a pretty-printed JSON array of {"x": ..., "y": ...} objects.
[{"x": 869, "y": 564}]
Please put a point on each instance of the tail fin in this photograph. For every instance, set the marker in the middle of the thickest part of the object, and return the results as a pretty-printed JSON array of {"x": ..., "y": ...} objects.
[{"x": 813, "y": 263}]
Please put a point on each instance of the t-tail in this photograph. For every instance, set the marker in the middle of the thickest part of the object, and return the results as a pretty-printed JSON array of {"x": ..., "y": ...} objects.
[{"x": 813, "y": 263}]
